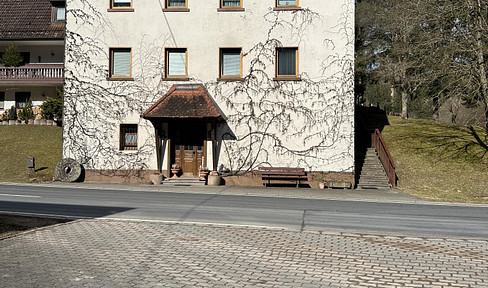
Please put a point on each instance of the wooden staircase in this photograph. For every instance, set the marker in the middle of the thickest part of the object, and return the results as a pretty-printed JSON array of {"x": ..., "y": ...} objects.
[{"x": 372, "y": 174}]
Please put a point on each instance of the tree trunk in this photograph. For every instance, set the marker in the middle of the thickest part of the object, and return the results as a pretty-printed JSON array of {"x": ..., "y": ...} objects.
[
  {"x": 404, "y": 105},
  {"x": 481, "y": 61}
]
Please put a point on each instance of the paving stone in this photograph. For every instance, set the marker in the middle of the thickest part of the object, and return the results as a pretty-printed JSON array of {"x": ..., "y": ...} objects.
[{"x": 108, "y": 253}]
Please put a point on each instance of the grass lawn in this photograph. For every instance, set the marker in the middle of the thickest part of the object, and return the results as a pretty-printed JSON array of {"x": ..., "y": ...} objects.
[
  {"x": 439, "y": 161},
  {"x": 20, "y": 142}
]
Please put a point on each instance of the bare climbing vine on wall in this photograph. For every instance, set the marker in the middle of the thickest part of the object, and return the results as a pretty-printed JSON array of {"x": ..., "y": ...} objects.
[{"x": 299, "y": 122}]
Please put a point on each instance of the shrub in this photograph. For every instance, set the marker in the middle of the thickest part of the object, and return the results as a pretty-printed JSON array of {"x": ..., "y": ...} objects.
[
  {"x": 53, "y": 108},
  {"x": 12, "y": 57},
  {"x": 12, "y": 113},
  {"x": 26, "y": 113}
]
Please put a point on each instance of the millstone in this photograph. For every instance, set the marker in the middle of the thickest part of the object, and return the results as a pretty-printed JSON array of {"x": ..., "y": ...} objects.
[{"x": 67, "y": 170}]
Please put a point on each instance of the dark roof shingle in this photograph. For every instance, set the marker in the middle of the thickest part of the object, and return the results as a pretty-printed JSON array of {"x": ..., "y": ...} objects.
[
  {"x": 28, "y": 19},
  {"x": 185, "y": 101}
]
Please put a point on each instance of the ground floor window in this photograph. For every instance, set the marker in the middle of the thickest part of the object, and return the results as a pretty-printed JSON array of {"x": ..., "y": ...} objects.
[
  {"x": 128, "y": 137},
  {"x": 21, "y": 99},
  {"x": 2, "y": 100}
]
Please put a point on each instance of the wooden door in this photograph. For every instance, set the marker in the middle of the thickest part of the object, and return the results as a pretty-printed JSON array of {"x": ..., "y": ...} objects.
[{"x": 190, "y": 158}]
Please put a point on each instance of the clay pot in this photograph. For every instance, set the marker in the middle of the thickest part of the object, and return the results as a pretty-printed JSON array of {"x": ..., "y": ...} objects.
[{"x": 214, "y": 179}]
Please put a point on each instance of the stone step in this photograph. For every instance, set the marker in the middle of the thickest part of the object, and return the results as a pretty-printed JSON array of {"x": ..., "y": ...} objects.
[{"x": 184, "y": 182}]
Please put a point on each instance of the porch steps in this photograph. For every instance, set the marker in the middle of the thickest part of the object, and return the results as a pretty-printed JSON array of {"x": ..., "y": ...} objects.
[
  {"x": 373, "y": 175},
  {"x": 184, "y": 182}
]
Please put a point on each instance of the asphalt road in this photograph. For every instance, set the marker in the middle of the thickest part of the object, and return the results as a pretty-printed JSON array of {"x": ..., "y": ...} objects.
[{"x": 420, "y": 220}]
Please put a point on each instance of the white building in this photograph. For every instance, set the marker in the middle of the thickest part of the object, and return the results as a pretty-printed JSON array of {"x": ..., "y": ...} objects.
[
  {"x": 37, "y": 29},
  {"x": 230, "y": 85}
]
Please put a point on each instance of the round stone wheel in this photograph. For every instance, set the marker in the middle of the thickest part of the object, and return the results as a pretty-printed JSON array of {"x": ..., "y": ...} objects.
[{"x": 67, "y": 170}]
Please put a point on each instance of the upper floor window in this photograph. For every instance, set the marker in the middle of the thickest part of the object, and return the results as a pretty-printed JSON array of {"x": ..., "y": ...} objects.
[
  {"x": 176, "y": 5},
  {"x": 121, "y": 5},
  {"x": 120, "y": 63},
  {"x": 230, "y": 5},
  {"x": 176, "y": 63},
  {"x": 287, "y": 63},
  {"x": 230, "y": 63},
  {"x": 286, "y": 4},
  {"x": 58, "y": 11}
]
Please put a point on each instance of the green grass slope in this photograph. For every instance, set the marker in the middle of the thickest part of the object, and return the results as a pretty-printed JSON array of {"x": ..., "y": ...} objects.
[
  {"x": 438, "y": 161},
  {"x": 20, "y": 142}
]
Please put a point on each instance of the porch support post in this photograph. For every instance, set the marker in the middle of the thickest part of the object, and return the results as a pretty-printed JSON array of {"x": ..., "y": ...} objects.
[
  {"x": 158, "y": 144},
  {"x": 214, "y": 148}
]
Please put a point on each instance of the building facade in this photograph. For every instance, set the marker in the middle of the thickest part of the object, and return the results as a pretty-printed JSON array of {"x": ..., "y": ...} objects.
[
  {"x": 228, "y": 85},
  {"x": 37, "y": 29}
]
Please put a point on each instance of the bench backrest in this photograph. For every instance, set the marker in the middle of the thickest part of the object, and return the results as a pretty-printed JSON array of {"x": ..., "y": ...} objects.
[{"x": 282, "y": 170}]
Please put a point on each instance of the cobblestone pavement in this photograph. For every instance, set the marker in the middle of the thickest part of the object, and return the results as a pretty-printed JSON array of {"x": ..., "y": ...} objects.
[{"x": 108, "y": 253}]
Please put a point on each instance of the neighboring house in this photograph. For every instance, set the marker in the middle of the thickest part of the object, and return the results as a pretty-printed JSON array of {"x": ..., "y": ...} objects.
[
  {"x": 37, "y": 29},
  {"x": 225, "y": 84}
]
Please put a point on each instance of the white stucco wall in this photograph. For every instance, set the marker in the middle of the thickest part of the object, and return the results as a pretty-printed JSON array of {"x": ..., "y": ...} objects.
[{"x": 307, "y": 123}]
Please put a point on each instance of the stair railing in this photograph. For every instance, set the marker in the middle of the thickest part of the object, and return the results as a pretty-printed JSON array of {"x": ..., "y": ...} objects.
[{"x": 378, "y": 143}]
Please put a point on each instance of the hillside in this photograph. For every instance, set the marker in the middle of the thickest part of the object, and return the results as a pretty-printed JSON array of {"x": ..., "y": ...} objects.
[
  {"x": 20, "y": 142},
  {"x": 439, "y": 161}
]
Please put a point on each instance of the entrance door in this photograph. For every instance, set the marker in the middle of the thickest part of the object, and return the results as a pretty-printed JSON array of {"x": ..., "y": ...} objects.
[{"x": 188, "y": 139}]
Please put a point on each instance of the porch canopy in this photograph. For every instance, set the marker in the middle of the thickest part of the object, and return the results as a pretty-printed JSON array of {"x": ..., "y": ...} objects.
[
  {"x": 192, "y": 114},
  {"x": 185, "y": 101}
]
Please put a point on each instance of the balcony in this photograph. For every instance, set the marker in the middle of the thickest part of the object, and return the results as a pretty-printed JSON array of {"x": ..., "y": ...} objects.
[{"x": 32, "y": 74}]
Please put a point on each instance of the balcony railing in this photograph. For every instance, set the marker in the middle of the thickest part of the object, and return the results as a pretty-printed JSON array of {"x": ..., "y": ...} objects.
[{"x": 33, "y": 73}]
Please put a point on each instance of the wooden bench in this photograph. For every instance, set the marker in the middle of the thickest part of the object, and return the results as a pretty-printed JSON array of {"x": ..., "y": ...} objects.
[{"x": 282, "y": 173}]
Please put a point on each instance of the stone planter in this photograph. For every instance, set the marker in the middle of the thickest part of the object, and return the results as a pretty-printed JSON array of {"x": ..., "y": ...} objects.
[
  {"x": 4, "y": 122},
  {"x": 214, "y": 179},
  {"x": 30, "y": 122},
  {"x": 175, "y": 173},
  {"x": 203, "y": 175},
  {"x": 37, "y": 122},
  {"x": 321, "y": 185},
  {"x": 19, "y": 122},
  {"x": 49, "y": 122},
  {"x": 156, "y": 179},
  {"x": 12, "y": 122},
  {"x": 42, "y": 122}
]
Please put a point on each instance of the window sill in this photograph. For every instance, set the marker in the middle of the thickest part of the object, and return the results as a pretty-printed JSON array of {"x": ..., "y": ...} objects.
[
  {"x": 176, "y": 10},
  {"x": 176, "y": 79},
  {"x": 120, "y": 79},
  {"x": 232, "y": 9},
  {"x": 120, "y": 10},
  {"x": 230, "y": 79},
  {"x": 289, "y": 8},
  {"x": 287, "y": 78}
]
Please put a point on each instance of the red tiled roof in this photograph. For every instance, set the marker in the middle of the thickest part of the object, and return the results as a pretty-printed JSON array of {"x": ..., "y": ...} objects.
[
  {"x": 28, "y": 19},
  {"x": 185, "y": 101}
]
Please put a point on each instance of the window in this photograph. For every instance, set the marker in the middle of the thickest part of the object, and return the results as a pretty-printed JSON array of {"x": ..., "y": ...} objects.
[
  {"x": 121, "y": 3},
  {"x": 21, "y": 99},
  {"x": 287, "y": 63},
  {"x": 128, "y": 137},
  {"x": 230, "y": 63},
  {"x": 176, "y": 6},
  {"x": 58, "y": 11},
  {"x": 120, "y": 63},
  {"x": 176, "y": 63},
  {"x": 120, "y": 6},
  {"x": 282, "y": 3},
  {"x": 230, "y": 3},
  {"x": 2, "y": 100}
]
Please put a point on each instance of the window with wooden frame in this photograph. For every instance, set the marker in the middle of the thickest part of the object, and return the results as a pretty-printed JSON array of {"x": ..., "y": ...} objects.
[
  {"x": 286, "y": 5},
  {"x": 58, "y": 12},
  {"x": 231, "y": 5},
  {"x": 121, "y": 6},
  {"x": 120, "y": 64},
  {"x": 128, "y": 137},
  {"x": 287, "y": 63},
  {"x": 176, "y": 5},
  {"x": 230, "y": 64},
  {"x": 176, "y": 63}
]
